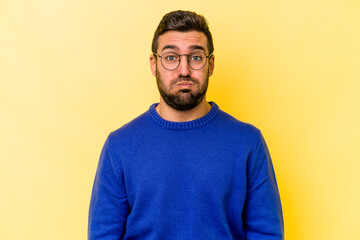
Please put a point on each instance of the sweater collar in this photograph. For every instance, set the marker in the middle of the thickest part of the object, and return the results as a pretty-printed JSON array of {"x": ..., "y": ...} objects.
[{"x": 183, "y": 125}]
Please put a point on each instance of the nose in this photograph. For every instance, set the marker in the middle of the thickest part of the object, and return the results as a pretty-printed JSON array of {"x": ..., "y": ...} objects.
[{"x": 184, "y": 68}]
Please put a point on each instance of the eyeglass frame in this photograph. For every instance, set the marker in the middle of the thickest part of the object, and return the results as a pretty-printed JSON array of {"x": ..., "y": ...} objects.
[{"x": 187, "y": 55}]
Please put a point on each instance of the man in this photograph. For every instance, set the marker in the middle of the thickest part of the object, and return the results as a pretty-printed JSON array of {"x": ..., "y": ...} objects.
[{"x": 185, "y": 169}]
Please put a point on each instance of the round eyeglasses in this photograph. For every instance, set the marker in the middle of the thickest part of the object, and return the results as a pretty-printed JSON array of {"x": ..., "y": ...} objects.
[{"x": 171, "y": 60}]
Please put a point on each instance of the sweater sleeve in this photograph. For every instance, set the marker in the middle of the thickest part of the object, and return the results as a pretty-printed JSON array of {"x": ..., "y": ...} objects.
[
  {"x": 262, "y": 214},
  {"x": 109, "y": 207}
]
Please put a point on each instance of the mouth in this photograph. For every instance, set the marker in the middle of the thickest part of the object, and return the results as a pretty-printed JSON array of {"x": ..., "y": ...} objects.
[{"x": 184, "y": 84}]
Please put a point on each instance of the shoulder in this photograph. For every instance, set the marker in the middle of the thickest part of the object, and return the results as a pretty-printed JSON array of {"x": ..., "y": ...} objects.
[
  {"x": 133, "y": 129},
  {"x": 234, "y": 126}
]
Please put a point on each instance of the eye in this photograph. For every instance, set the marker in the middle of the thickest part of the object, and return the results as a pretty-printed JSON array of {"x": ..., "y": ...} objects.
[
  {"x": 170, "y": 57},
  {"x": 197, "y": 57}
]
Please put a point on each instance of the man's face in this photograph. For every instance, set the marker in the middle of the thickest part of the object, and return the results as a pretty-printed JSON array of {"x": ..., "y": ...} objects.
[{"x": 182, "y": 88}]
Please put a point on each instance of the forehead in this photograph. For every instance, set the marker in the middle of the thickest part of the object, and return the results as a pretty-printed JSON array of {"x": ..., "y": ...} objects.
[{"x": 182, "y": 41}]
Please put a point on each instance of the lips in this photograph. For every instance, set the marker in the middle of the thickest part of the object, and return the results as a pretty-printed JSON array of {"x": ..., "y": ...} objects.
[{"x": 184, "y": 84}]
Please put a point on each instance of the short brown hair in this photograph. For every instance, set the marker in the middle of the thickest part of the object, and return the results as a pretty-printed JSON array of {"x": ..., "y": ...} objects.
[{"x": 183, "y": 21}]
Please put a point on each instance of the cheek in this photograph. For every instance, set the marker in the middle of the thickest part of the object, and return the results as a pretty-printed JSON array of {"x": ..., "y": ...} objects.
[
  {"x": 200, "y": 75},
  {"x": 165, "y": 77},
  {"x": 168, "y": 76}
]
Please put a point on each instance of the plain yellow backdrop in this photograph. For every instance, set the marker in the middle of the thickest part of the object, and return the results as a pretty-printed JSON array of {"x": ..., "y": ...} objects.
[{"x": 73, "y": 71}]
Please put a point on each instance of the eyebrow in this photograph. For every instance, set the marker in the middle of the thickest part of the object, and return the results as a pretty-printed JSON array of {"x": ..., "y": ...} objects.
[
  {"x": 173, "y": 47},
  {"x": 197, "y": 47},
  {"x": 193, "y": 47}
]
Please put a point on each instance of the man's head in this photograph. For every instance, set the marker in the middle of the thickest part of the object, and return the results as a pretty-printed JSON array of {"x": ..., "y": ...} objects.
[{"x": 183, "y": 84}]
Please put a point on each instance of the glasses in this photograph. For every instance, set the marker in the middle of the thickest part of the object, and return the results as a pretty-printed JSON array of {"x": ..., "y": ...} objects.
[{"x": 171, "y": 60}]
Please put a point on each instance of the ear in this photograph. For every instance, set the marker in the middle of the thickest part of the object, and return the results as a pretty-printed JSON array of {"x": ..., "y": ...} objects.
[
  {"x": 211, "y": 64},
  {"x": 153, "y": 64}
]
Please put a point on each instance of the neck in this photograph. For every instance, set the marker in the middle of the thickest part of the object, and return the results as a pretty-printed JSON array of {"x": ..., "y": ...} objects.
[{"x": 170, "y": 114}]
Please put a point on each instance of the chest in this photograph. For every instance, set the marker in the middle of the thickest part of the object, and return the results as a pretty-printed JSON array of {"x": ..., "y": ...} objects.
[{"x": 167, "y": 168}]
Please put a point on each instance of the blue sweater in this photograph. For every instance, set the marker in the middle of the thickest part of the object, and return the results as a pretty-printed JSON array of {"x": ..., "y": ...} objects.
[{"x": 211, "y": 178}]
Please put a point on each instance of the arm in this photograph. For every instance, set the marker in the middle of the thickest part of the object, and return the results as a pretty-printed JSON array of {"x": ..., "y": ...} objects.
[
  {"x": 108, "y": 206},
  {"x": 263, "y": 218}
]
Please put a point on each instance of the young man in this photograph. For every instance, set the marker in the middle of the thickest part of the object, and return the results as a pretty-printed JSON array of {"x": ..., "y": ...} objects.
[{"x": 185, "y": 169}]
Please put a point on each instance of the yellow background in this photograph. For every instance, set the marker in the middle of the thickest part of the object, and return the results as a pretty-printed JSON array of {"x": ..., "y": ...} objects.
[{"x": 72, "y": 71}]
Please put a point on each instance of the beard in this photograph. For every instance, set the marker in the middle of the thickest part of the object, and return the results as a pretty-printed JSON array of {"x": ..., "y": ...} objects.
[{"x": 185, "y": 99}]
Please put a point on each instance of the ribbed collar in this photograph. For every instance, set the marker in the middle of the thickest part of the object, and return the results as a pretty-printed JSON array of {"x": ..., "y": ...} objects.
[{"x": 183, "y": 125}]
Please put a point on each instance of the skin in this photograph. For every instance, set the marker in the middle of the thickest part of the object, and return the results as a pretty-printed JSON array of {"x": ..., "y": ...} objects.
[{"x": 182, "y": 43}]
